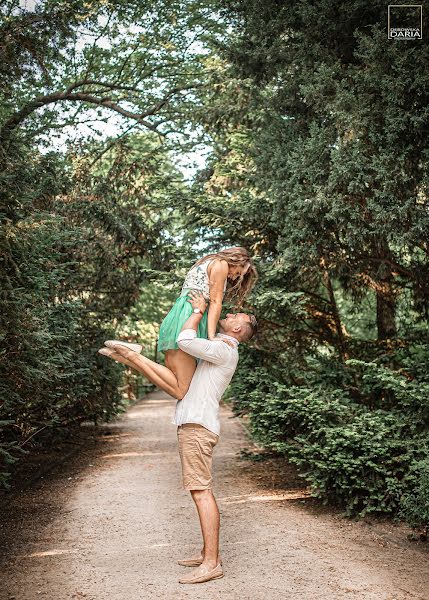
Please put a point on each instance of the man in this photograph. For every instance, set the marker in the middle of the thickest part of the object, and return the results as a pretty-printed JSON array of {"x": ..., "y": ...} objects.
[{"x": 197, "y": 419}]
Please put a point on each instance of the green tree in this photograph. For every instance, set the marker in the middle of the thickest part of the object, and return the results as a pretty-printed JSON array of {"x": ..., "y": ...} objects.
[
  {"x": 320, "y": 166},
  {"x": 82, "y": 231}
]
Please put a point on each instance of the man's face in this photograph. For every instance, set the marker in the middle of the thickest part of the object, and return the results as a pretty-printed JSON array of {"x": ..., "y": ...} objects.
[{"x": 234, "y": 323}]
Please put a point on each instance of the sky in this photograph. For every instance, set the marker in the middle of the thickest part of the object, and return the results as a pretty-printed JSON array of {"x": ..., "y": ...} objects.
[
  {"x": 28, "y": 4},
  {"x": 188, "y": 163}
]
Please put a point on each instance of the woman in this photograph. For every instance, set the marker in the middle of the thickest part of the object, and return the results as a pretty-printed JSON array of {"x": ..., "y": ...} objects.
[{"x": 229, "y": 273}]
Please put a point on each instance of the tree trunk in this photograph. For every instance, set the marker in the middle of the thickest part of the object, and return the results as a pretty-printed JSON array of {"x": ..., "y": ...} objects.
[
  {"x": 386, "y": 304},
  {"x": 386, "y": 309},
  {"x": 342, "y": 351}
]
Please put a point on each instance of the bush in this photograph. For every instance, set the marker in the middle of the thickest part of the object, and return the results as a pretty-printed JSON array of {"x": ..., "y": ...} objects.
[
  {"x": 414, "y": 506},
  {"x": 74, "y": 249},
  {"x": 365, "y": 458}
]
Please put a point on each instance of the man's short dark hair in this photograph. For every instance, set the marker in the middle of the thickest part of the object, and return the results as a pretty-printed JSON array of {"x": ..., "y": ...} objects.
[{"x": 251, "y": 329}]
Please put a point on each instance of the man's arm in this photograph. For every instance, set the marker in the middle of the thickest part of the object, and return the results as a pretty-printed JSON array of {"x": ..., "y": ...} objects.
[
  {"x": 212, "y": 351},
  {"x": 197, "y": 301},
  {"x": 208, "y": 350}
]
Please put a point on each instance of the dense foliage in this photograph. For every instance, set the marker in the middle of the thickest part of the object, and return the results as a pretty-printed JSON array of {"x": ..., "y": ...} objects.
[
  {"x": 322, "y": 169},
  {"x": 82, "y": 235},
  {"x": 317, "y": 125},
  {"x": 76, "y": 251}
]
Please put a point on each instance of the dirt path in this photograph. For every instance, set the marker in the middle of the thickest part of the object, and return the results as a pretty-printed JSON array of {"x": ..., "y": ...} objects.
[{"x": 111, "y": 525}]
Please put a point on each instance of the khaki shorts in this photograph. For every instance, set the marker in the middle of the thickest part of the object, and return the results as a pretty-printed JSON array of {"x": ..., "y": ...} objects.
[{"x": 196, "y": 445}]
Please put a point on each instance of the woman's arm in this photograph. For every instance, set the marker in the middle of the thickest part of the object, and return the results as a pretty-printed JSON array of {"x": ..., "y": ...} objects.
[
  {"x": 198, "y": 347},
  {"x": 217, "y": 272}
]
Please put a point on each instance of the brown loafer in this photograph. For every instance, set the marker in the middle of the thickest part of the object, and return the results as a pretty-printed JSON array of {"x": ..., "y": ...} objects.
[
  {"x": 202, "y": 574},
  {"x": 192, "y": 562}
]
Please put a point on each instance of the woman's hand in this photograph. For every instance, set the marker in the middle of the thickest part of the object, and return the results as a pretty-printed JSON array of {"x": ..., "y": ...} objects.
[{"x": 219, "y": 339}]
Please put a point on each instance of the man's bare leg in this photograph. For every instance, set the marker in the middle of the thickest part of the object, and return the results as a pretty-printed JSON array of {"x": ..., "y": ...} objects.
[{"x": 209, "y": 516}]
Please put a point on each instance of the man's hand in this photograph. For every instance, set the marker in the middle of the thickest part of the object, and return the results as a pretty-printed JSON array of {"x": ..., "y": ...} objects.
[{"x": 197, "y": 300}]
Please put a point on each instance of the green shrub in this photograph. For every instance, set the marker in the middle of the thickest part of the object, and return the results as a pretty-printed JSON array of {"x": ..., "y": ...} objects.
[
  {"x": 74, "y": 248},
  {"x": 361, "y": 451},
  {"x": 414, "y": 506}
]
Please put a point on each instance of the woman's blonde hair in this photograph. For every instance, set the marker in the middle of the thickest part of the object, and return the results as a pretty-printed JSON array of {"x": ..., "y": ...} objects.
[{"x": 236, "y": 256}]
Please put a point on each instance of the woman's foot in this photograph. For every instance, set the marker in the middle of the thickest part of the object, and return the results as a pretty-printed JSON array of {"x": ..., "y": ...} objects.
[
  {"x": 111, "y": 353},
  {"x": 134, "y": 347},
  {"x": 121, "y": 349},
  {"x": 106, "y": 352}
]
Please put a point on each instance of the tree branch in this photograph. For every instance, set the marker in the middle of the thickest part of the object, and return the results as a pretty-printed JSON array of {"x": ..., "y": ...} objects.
[{"x": 15, "y": 120}]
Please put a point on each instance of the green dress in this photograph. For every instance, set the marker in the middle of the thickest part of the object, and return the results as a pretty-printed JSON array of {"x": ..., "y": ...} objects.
[{"x": 196, "y": 279}]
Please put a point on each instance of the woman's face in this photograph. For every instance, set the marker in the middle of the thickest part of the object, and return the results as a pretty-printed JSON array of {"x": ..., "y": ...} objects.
[{"x": 234, "y": 272}]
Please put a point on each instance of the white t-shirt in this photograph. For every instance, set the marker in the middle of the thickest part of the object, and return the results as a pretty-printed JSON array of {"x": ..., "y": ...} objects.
[{"x": 214, "y": 371}]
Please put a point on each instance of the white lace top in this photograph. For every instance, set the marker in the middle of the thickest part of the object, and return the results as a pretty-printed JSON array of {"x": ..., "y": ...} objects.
[{"x": 197, "y": 278}]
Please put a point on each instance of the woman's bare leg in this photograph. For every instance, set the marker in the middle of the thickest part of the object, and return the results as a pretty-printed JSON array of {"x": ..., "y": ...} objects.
[
  {"x": 183, "y": 366},
  {"x": 175, "y": 383}
]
